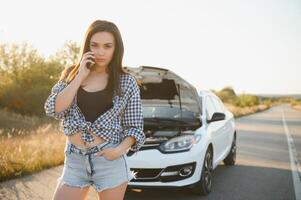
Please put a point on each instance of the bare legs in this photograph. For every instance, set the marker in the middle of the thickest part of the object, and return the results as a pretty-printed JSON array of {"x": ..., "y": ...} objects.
[{"x": 64, "y": 192}]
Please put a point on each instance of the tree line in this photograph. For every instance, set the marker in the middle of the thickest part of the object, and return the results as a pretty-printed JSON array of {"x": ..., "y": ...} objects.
[{"x": 26, "y": 77}]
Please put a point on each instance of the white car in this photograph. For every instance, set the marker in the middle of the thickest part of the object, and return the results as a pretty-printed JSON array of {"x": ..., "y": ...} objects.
[{"x": 187, "y": 134}]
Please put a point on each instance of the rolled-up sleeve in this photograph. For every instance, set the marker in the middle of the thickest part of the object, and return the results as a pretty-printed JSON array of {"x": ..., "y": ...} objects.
[
  {"x": 132, "y": 120},
  {"x": 49, "y": 105}
]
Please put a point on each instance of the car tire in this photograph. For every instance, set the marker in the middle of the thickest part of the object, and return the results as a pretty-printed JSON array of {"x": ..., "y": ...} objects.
[
  {"x": 231, "y": 157},
  {"x": 204, "y": 186}
]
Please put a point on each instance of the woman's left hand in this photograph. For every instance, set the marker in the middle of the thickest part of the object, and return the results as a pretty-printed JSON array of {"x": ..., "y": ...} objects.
[{"x": 110, "y": 153}]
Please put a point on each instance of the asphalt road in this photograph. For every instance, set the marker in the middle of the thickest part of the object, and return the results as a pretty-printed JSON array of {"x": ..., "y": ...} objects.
[{"x": 268, "y": 142}]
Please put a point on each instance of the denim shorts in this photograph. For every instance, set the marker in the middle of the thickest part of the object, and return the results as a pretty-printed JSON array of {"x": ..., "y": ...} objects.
[{"x": 82, "y": 168}]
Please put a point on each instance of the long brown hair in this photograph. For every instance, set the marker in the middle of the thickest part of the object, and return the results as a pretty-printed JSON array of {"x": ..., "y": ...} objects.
[{"x": 115, "y": 68}]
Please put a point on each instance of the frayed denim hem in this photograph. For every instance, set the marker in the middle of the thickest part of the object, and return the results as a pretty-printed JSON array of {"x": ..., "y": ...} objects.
[
  {"x": 100, "y": 189},
  {"x": 73, "y": 185}
]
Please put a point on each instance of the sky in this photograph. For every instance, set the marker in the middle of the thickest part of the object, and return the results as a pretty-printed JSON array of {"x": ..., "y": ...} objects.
[{"x": 252, "y": 46}]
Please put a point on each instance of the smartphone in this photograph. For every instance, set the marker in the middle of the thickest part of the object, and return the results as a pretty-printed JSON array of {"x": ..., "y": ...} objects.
[{"x": 90, "y": 65}]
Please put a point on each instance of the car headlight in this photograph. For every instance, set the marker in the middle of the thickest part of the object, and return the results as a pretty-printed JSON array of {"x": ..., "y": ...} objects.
[{"x": 181, "y": 143}]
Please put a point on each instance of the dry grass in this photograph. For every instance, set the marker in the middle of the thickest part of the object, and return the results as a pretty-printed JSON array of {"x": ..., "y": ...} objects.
[
  {"x": 298, "y": 107},
  {"x": 241, "y": 111},
  {"x": 14, "y": 124},
  {"x": 295, "y": 104},
  {"x": 25, "y": 154}
]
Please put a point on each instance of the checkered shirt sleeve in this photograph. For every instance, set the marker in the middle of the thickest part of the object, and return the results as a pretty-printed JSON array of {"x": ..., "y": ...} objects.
[
  {"x": 132, "y": 120},
  {"x": 49, "y": 105}
]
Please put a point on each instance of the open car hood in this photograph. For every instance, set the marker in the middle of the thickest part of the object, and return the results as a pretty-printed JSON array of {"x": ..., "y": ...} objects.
[{"x": 161, "y": 88}]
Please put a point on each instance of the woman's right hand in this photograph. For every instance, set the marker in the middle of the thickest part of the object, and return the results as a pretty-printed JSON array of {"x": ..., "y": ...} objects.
[{"x": 83, "y": 71}]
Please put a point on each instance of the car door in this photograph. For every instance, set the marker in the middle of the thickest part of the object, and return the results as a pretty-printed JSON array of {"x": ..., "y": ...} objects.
[
  {"x": 224, "y": 125},
  {"x": 214, "y": 128}
]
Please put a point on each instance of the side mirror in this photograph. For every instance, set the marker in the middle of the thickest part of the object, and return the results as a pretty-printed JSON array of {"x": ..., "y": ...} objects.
[{"x": 217, "y": 116}]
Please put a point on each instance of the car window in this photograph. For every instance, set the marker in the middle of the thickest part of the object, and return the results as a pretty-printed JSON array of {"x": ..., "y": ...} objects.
[
  {"x": 210, "y": 108},
  {"x": 221, "y": 104},
  {"x": 167, "y": 112},
  {"x": 168, "y": 94},
  {"x": 218, "y": 106}
]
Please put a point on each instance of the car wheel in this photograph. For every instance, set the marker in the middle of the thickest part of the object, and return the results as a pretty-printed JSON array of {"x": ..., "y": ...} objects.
[
  {"x": 231, "y": 157},
  {"x": 203, "y": 187}
]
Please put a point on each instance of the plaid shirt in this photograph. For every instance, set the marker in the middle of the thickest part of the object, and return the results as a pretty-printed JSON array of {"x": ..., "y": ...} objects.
[{"x": 124, "y": 119}]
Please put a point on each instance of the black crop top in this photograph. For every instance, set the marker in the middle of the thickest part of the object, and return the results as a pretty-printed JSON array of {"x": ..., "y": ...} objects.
[{"x": 93, "y": 104}]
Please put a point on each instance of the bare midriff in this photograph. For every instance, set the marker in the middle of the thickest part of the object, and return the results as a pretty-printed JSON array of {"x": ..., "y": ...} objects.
[{"x": 78, "y": 141}]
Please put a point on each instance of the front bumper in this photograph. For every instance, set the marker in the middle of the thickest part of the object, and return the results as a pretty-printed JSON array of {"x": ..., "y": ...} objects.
[{"x": 155, "y": 169}]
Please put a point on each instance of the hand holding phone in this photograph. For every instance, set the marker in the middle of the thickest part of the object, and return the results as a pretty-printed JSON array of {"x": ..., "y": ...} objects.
[
  {"x": 89, "y": 65},
  {"x": 90, "y": 62},
  {"x": 87, "y": 62}
]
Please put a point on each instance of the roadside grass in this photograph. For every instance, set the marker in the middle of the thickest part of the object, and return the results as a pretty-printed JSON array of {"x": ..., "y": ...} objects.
[
  {"x": 31, "y": 144},
  {"x": 242, "y": 111},
  {"x": 30, "y": 151},
  {"x": 297, "y": 107},
  {"x": 13, "y": 123},
  {"x": 296, "y": 104}
]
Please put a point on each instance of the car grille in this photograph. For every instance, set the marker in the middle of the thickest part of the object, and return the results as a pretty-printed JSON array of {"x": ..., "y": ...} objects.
[
  {"x": 154, "y": 174},
  {"x": 147, "y": 174}
]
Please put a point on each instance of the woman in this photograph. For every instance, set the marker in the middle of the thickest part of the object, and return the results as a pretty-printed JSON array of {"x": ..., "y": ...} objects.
[{"x": 100, "y": 109}]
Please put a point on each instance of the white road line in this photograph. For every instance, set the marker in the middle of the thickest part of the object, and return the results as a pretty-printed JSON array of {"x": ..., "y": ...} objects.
[{"x": 295, "y": 166}]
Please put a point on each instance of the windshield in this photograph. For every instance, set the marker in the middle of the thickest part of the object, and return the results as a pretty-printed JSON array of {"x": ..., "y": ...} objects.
[
  {"x": 163, "y": 100},
  {"x": 167, "y": 112}
]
